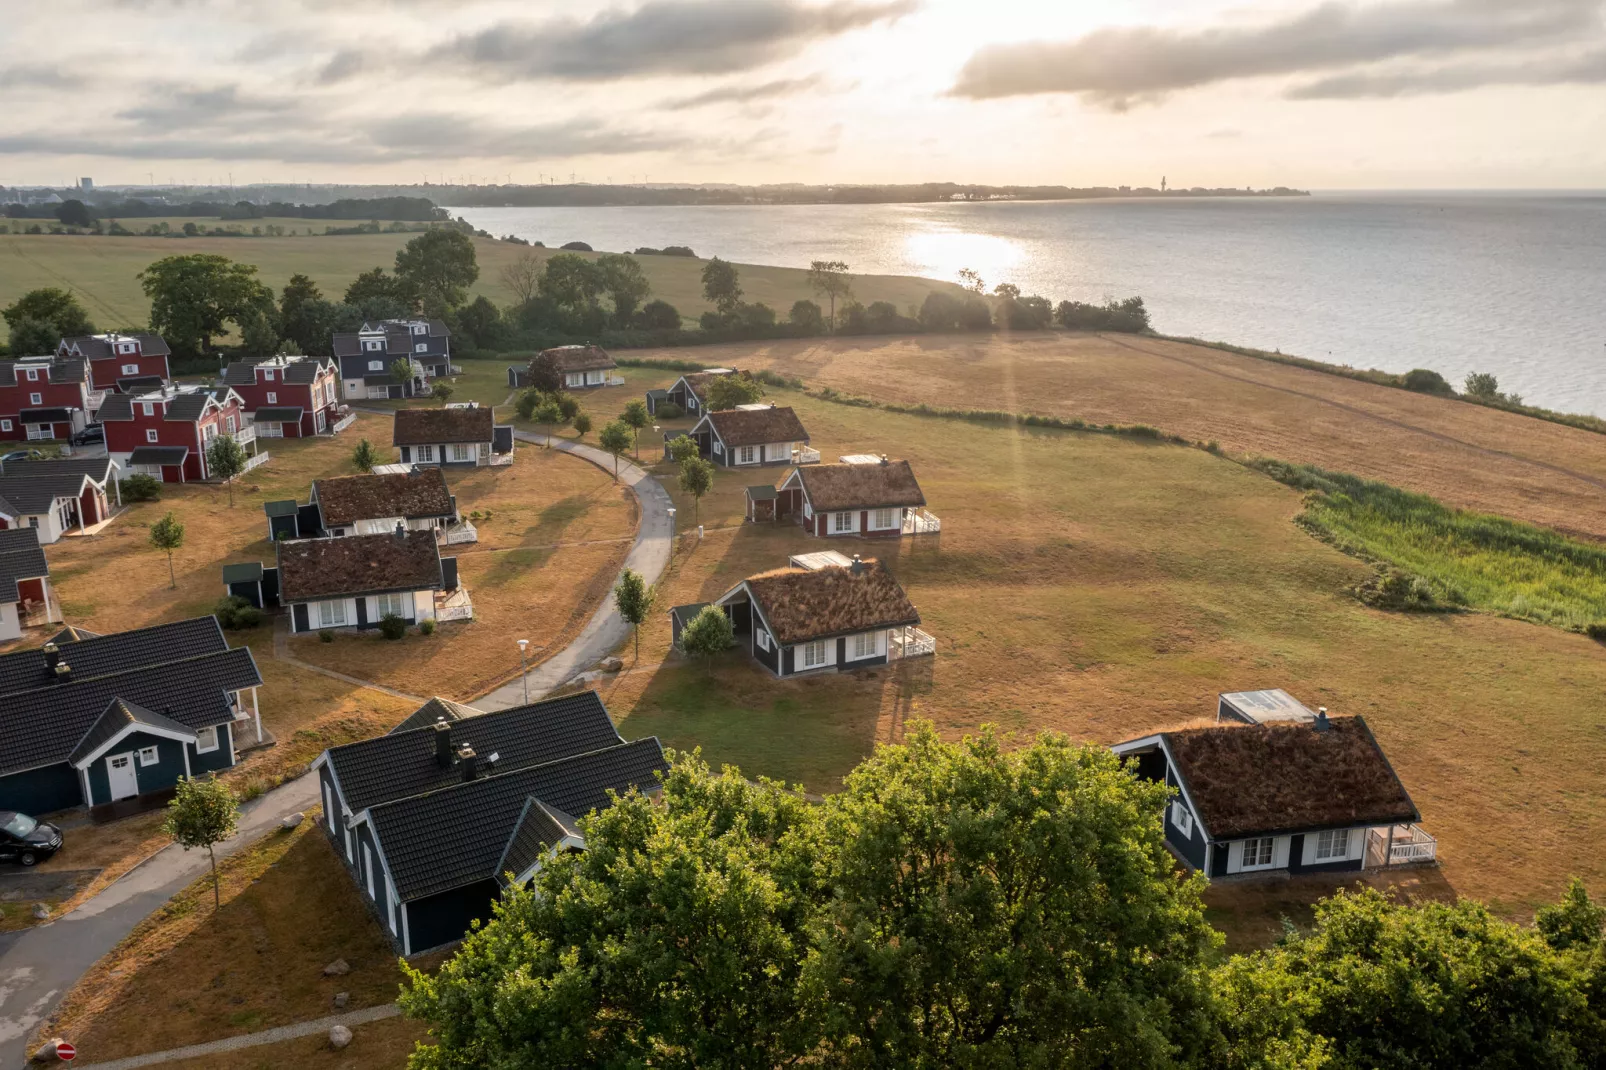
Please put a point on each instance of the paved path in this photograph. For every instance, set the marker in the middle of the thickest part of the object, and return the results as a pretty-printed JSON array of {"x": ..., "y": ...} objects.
[
  {"x": 251, "y": 1040},
  {"x": 606, "y": 629},
  {"x": 39, "y": 965}
]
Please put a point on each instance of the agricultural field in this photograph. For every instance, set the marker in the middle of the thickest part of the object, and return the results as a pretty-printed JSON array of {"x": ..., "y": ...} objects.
[
  {"x": 1464, "y": 455},
  {"x": 102, "y": 269},
  {"x": 1104, "y": 586}
]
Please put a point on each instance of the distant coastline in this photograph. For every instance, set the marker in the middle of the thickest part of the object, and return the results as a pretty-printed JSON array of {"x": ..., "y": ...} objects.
[{"x": 590, "y": 196}]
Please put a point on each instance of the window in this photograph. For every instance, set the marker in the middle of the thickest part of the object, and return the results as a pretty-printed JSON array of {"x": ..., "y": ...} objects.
[
  {"x": 130, "y": 369},
  {"x": 426, "y": 454},
  {"x": 746, "y": 455},
  {"x": 205, "y": 740},
  {"x": 35, "y": 399},
  {"x": 368, "y": 864},
  {"x": 386, "y": 604},
  {"x": 332, "y": 614},
  {"x": 267, "y": 373},
  {"x": 273, "y": 398},
  {"x": 1258, "y": 853},
  {"x": 376, "y": 365},
  {"x": 841, "y": 522},
  {"x": 371, "y": 345},
  {"x": 719, "y": 447},
  {"x": 1332, "y": 845},
  {"x": 814, "y": 654},
  {"x": 150, "y": 434},
  {"x": 763, "y": 639},
  {"x": 1181, "y": 818},
  {"x": 231, "y": 426},
  {"x": 462, "y": 452},
  {"x": 33, "y": 375},
  {"x": 421, "y": 347},
  {"x": 883, "y": 518},
  {"x": 329, "y": 806},
  {"x": 148, "y": 408},
  {"x": 149, "y": 756},
  {"x": 419, "y": 328},
  {"x": 864, "y": 645},
  {"x": 5, "y": 425}
]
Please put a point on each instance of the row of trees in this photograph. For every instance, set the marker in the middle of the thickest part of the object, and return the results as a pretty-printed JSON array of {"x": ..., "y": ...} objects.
[{"x": 967, "y": 905}]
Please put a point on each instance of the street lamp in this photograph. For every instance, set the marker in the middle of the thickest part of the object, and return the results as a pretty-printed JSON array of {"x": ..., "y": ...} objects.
[
  {"x": 524, "y": 645},
  {"x": 671, "y": 536}
]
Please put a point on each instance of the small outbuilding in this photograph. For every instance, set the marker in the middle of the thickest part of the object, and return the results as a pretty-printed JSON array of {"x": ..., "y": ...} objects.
[{"x": 25, "y": 595}]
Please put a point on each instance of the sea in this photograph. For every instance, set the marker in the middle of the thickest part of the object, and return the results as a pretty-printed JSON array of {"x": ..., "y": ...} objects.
[{"x": 1512, "y": 284}]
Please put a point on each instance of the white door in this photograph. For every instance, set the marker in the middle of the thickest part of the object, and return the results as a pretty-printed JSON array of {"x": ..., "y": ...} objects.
[{"x": 120, "y": 775}]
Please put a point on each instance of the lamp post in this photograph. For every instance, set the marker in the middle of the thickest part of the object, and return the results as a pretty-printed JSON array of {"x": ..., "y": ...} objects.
[
  {"x": 671, "y": 536},
  {"x": 524, "y": 645}
]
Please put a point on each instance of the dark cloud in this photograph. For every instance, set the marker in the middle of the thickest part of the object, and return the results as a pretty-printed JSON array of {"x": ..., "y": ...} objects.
[
  {"x": 661, "y": 37},
  {"x": 34, "y": 76},
  {"x": 1586, "y": 69},
  {"x": 347, "y": 63},
  {"x": 1120, "y": 66},
  {"x": 169, "y": 107},
  {"x": 745, "y": 94}
]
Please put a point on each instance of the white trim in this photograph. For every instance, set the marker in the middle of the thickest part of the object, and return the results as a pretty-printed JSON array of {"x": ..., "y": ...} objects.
[
  {"x": 368, "y": 872},
  {"x": 1181, "y": 818},
  {"x": 575, "y": 842},
  {"x": 126, "y": 731},
  {"x": 133, "y": 771},
  {"x": 155, "y": 756},
  {"x": 197, "y": 741},
  {"x": 1158, "y": 740}
]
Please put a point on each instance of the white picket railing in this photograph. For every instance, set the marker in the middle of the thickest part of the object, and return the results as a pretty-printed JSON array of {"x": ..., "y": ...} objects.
[
  {"x": 458, "y": 533},
  {"x": 255, "y": 460},
  {"x": 454, "y": 605},
  {"x": 909, "y": 642},
  {"x": 245, "y": 435},
  {"x": 804, "y": 455},
  {"x": 1399, "y": 845},
  {"x": 343, "y": 423},
  {"x": 920, "y": 522}
]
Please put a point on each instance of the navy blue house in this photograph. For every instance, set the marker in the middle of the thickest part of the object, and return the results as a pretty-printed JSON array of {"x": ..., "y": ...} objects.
[{"x": 108, "y": 717}]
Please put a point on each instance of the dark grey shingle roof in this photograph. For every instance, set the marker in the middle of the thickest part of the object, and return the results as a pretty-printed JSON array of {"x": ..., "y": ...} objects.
[
  {"x": 37, "y": 495},
  {"x": 99, "y": 468},
  {"x": 538, "y": 829},
  {"x": 244, "y": 572},
  {"x": 21, "y": 558},
  {"x": 116, "y": 407},
  {"x": 436, "y": 709},
  {"x": 158, "y": 455},
  {"x": 240, "y": 373},
  {"x": 278, "y": 414},
  {"x": 48, "y": 415},
  {"x": 72, "y": 634},
  {"x": 457, "y": 835},
  {"x": 400, "y": 764},
  {"x": 25, "y": 670},
  {"x": 139, "y": 384},
  {"x": 187, "y": 407},
  {"x": 119, "y": 714}
]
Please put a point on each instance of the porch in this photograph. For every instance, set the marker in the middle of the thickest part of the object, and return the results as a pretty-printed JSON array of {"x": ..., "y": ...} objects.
[
  {"x": 463, "y": 532},
  {"x": 345, "y": 420},
  {"x": 454, "y": 605},
  {"x": 920, "y": 521},
  {"x": 1399, "y": 845},
  {"x": 255, "y": 460},
  {"x": 909, "y": 642},
  {"x": 244, "y": 436},
  {"x": 805, "y": 455}
]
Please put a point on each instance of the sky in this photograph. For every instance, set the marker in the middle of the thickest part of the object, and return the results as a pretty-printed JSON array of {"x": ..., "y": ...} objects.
[{"x": 1372, "y": 94}]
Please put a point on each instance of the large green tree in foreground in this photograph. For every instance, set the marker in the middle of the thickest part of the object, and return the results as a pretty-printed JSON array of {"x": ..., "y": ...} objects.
[
  {"x": 438, "y": 266},
  {"x": 195, "y": 298}
]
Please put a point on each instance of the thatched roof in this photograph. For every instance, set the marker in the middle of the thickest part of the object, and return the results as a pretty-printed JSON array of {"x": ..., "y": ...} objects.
[
  {"x": 801, "y": 604},
  {"x": 426, "y": 427},
  {"x": 755, "y": 427},
  {"x": 1282, "y": 777},
  {"x": 697, "y": 382},
  {"x": 348, "y": 499},
  {"x": 358, "y": 565},
  {"x": 586, "y": 358},
  {"x": 860, "y": 486}
]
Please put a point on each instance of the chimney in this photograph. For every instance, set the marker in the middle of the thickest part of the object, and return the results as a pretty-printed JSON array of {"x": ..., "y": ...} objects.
[
  {"x": 1321, "y": 724},
  {"x": 63, "y": 673},
  {"x": 400, "y": 534},
  {"x": 52, "y": 655},
  {"x": 468, "y": 760},
  {"x": 884, "y": 459},
  {"x": 443, "y": 744},
  {"x": 858, "y": 565}
]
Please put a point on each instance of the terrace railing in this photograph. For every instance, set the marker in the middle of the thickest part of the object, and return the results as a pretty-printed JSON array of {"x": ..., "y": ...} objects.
[
  {"x": 245, "y": 435},
  {"x": 458, "y": 533},
  {"x": 1399, "y": 845},
  {"x": 909, "y": 642},
  {"x": 804, "y": 455},
  {"x": 920, "y": 522},
  {"x": 343, "y": 423},
  {"x": 454, "y": 605},
  {"x": 255, "y": 460}
]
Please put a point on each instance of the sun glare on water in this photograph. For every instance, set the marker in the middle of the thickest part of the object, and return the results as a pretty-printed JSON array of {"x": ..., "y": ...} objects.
[{"x": 940, "y": 254}]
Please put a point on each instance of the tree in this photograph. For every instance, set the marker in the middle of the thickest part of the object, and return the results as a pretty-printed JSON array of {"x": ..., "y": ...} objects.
[
  {"x": 1575, "y": 922},
  {"x": 1007, "y": 907},
  {"x": 30, "y": 337},
  {"x": 441, "y": 391},
  {"x": 674, "y": 939},
  {"x": 615, "y": 438},
  {"x": 568, "y": 404},
  {"x": 51, "y": 305},
  {"x": 549, "y": 413},
  {"x": 971, "y": 280},
  {"x": 571, "y": 281},
  {"x": 74, "y": 213},
  {"x": 482, "y": 323},
  {"x": 634, "y": 598},
  {"x": 225, "y": 459},
  {"x": 658, "y": 315},
  {"x": 381, "y": 296},
  {"x": 696, "y": 479},
  {"x": 622, "y": 279},
  {"x": 729, "y": 391},
  {"x": 722, "y": 285},
  {"x": 543, "y": 374},
  {"x": 439, "y": 266},
  {"x": 1007, "y": 290},
  {"x": 365, "y": 456},
  {"x": 807, "y": 317},
  {"x": 529, "y": 399},
  {"x": 203, "y": 813},
  {"x": 306, "y": 320},
  {"x": 707, "y": 635},
  {"x": 635, "y": 417},
  {"x": 829, "y": 278},
  {"x": 259, "y": 337},
  {"x": 195, "y": 297},
  {"x": 582, "y": 424},
  {"x": 167, "y": 535},
  {"x": 1425, "y": 381},
  {"x": 683, "y": 448},
  {"x": 522, "y": 277},
  {"x": 1483, "y": 386},
  {"x": 401, "y": 370}
]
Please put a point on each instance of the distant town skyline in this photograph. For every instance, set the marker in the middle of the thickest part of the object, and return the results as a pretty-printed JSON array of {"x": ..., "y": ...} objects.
[{"x": 1380, "y": 94}]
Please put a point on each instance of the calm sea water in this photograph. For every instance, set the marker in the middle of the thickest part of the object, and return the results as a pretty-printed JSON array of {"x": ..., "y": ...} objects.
[{"x": 1513, "y": 284}]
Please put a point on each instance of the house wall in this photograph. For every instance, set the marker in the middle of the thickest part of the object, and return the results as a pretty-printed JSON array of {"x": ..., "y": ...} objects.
[
  {"x": 762, "y": 455},
  {"x": 104, "y": 373},
  {"x": 123, "y": 437},
  {"x": 595, "y": 377},
  {"x": 13, "y": 399},
  {"x": 42, "y": 790},
  {"x": 441, "y": 919},
  {"x": 1302, "y": 853},
  {"x": 361, "y": 613},
  {"x": 1190, "y": 844},
  {"x": 10, "y": 621},
  {"x": 839, "y": 654},
  {"x": 769, "y": 654},
  {"x": 169, "y": 767},
  {"x": 439, "y": 454}
]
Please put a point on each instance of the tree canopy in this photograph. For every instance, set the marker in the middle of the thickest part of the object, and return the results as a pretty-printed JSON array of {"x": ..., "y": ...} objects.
[
  {"x": 729, "y": 391},
  {"x": 51, "y": 305},
  {"x": 438, "y": 267},
  {"x": 194, "y": 298},
  {"x": 722, "y": 285}
]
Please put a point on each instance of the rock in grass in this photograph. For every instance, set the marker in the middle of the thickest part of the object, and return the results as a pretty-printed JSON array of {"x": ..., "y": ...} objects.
[
  {"x": 339, "y": 1036},
  {"x": 290, "y": 821},
  {"x": 337, "y": 968},
  {"x": 41, "y": 911},
  {"x": 341, "y": 999},
  {"x": 611, "y": 664}
]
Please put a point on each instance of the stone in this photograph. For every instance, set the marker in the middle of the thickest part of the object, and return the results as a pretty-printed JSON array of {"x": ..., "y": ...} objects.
[
  {"x": 337, "y": 968},
  {"x": 611, "y": 664},
  {"x": 47, "y": 1051},
  {"x": 41, "y": 911},
  {"x": 341, "y": 999},
  {"x": 339, "y": 1036},
  {"x": 290, "y": 821}
]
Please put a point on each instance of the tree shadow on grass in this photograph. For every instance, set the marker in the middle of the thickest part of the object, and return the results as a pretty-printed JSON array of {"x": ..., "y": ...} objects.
[{"x": 1251, "y": 911}]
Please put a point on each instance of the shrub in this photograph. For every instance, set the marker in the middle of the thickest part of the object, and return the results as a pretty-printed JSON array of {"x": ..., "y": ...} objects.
[
  {"x": 668, "y": 410},
  {"x": 1399, "y": 590},
  {"x": 577, "y": 247},
  {"x": 392, "y": 626},
  {"x": 1128, "y": 315},
  {"x": 426, "y": 626},
  {"x": 807, "y": 317},
  {"x": 582, "y": 424},
  {"x": 1482, "y": 385},
  {"x": 1596, "y": 630},
  {"x": 1425, "y": 381},
  {"x": 141, "y": 488},
  {"x": 772, "y": 378},
  {"x": 658, "y": 315},
  {"x": 325, "y": 635},
  {"x": 568, "y": 406},
  {"x": 236, "y": 613}
]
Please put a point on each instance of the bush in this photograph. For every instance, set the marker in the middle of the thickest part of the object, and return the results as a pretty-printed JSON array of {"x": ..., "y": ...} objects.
[
  {"x": 392, "y": 626},
  {"x": 1395, "y": 589},
  {"x": 668, "y": 410},
  {"x": 325, "y": 635},
  {"x": 1426, "y": 381},
  {"x": 141, "y": 488},
  {"x": 678, "y": 250},
  {"x": 806, "y": 316},
  {"x": 236, "y": 613},
  {"x": 426, "y": 626},
  {"x": 1129, "y": 316},
  {"x": 658, "y": 315},
  {"x": 582, "y": 424},
  {"x": 1596, "y": 630},
  {"x": 577, "y": 247},
  {"x": 773, "y": 378},
  {"x": 1482, "y": 385}
]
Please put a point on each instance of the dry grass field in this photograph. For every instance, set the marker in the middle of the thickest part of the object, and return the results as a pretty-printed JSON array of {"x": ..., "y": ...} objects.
[
  {"x": 1103, "y": 587},
  {"x": 102, "y": 270},
  {"x": 1465, "y": 455}
]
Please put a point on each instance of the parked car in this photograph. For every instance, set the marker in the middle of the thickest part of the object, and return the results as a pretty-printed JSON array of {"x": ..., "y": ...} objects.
[
  {"x": 91, "y": 433},
  {"x": 21, "y": 455},
  {"x": 26, "y": 840}
]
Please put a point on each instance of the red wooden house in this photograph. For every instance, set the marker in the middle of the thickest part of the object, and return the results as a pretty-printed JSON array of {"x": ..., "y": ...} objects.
[
  {"x": 164, "y": 433},
  {"x": 287, "y": 397},
  {"x": 117, "y": 358},
  {"x": 43, "y": 398}
]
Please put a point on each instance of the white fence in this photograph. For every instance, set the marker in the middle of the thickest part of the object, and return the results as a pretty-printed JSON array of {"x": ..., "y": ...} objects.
[
  {"x": 454, "y": 605},
  {"x": 255, "y": 460},
  {"x": 244, "y": 435},
  {"x": 1399, "y": 845},
  {"x": 920, "y": 522},
  {"x": 458, "y": 533},
  {"x": 804, "y": 455},
  {"x": 909, "y": 642},
  {"x": 343, "y": 423}
]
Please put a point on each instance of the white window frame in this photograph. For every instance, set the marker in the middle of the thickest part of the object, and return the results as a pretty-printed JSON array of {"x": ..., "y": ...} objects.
[
  {"x": 368, "y": 864},
  {"x": 462, "y": 451},
  {"x": 420, "y": 328},
  {"x": 861, "y": 641},
  {"x": 719, "y": 447},
  {"x": 332, "y": 613},
  {"x": 1332, "y": 845},
  {"x": 273, "y": 398},
  {"x": 149, "y": 755},
  {"x": 842, "y": 523},
  {"x": 36, "y": 399},
  {"x": 426, "y": 454},
  {"x": 390, "y": 603},
  {"x": 372, "y": 345},
  {"x": 150, "y": 434},
  {"x": 1255, "y": 844},
  {"x": 421, "y": 347},
  {"x": 148, "y": 408},
  {"x": 763, "y": 638},
  {"x": 815, "y": 655},
  {"x": 5, "y": 425},
  {"x": 746, "y": 455},
  {"x": 33, "y": 375},
  {"x": 376, "y": 365},
  {"x": 885, "y": 518},
  {"x": 1182, "y": 818},
  {"x": 328, "y": 804},
  {"x": 130, "y": 369},
  {"x": 206, "y": 740}
]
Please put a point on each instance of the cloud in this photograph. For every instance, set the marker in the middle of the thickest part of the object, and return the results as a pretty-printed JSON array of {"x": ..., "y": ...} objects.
[
  {"x": 34, "y": 76},
  {"x": 662, "y": 37},
  {"x": 347, "y": 63},
  {"x": 197, "y": 107},
  {"x": 1586, "y": 69},
  {"x": 745, "y": 94},
  {"x": 1120, "y": 66}
]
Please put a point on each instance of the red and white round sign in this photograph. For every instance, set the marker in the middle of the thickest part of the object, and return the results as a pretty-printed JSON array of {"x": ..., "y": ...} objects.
[{"x": 66, "y": 1052}]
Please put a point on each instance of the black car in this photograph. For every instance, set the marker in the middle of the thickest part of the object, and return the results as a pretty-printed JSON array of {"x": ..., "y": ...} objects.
[
  {"x": 25, "y": 840},
  {"x": 91, "y": 433}
]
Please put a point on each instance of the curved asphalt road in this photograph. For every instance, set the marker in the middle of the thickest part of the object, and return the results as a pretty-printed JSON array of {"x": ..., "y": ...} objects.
[{"x": 39, "y": 965}]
